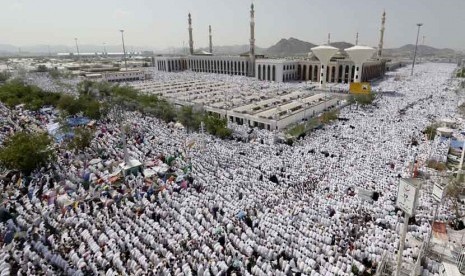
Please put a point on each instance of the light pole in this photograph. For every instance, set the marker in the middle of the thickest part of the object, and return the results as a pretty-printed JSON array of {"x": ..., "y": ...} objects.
[
  {"x": 77, "y": 49},
  {"x": 422, "y": 43},
  {"x": 124, "y": 50},
  {"x": 416, "y": 46},
  {"x": 104, "y": 49}
]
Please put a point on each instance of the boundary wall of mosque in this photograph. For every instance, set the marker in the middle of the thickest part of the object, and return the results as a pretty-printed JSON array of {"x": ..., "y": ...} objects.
[{"x": 279, "y": 70}]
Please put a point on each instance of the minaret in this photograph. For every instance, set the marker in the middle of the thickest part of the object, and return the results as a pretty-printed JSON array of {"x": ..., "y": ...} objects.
[
  {"x": 210, "y": 34},
  {"x": 191, "y": 41},
  {"x": 329, "y": 38},
  {"x": 252, "y": 42},
  {"x": 381, "y": 38},
  {"x": 356, "y": 39}
]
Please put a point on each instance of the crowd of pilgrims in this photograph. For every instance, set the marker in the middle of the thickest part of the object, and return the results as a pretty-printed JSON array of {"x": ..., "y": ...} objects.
[{"x": 233, "y": 207}]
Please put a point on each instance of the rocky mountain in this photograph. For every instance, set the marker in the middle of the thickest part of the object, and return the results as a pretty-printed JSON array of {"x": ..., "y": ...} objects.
[
  {"x": 289, "y": 47},
  {"x": 423, "y": 50},
  {"x": 296, "y": 47}
]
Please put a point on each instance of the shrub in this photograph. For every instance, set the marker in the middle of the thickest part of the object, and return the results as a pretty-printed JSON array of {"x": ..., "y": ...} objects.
[
  {"x": 430, "y": 131},
  {"x": 26, "y": 151},
  {"x": 433, "y": 164}
]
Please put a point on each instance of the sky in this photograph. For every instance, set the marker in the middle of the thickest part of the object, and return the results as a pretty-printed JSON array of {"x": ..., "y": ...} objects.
[{"x": 156, "y": 24}]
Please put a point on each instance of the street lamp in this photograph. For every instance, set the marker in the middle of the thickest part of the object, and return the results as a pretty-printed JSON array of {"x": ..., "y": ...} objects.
[
  {"x": 124, "y": 50},
  {"x": 416, "y": 46},
  {"x": 77, "y": 48},
  {"x": 104, "y": 49}
]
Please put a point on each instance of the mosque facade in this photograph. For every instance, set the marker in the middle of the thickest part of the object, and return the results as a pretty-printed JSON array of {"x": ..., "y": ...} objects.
[{"x": 340, "y": 70}]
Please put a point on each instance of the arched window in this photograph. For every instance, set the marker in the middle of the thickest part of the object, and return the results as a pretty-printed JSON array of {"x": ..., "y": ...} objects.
[
  {"x": 333, "y": 73},
  {"x": 269, "y": 73},
  {"x": 346, "y": 74},
  {"x": 274, "y": 73},
  {"x": 339, "y": 74},
  {"x": 259, "y": 72},
  {"x": 304, "y": 73},
  {"x": 299, "y": 71},
  {"x": 352, "y": 74}
]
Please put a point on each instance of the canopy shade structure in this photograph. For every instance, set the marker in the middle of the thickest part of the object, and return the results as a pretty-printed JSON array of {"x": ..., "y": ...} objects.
[
  {"x": 359, "y": 54},
  {"x": 324, "y": 54}
]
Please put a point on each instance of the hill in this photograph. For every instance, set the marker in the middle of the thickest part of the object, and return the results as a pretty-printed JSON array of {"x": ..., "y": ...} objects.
[
  {"x": 424, "y": 50},
  {"x": 289, "y": 47}
]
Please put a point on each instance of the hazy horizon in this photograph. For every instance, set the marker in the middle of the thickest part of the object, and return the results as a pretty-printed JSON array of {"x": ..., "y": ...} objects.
[{"x": 51, "y": 22}]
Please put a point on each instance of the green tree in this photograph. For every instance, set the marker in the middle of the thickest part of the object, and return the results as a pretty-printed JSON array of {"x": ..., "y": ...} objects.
[
  {"x": 85, "y": 87},
  {"x": 4, "y": 76},
  {"x": 103, "y": 88},
  {"x": 217, "y": 126},
  {"x": 42, "y": 68},
  {"x": 54, "y": 73},
  {"x": 430, "y": 131},
  {"x": 16, "y": 92},
  {"x": 70, "y": 105},
  {"x": 189, "y": 118},
  {"x": 27, "y": 151},
  {"x": 329, "y": 116},
  {"x": 223, "y": 133},
  {"x": 166, "y": 111},
  {"x": 81, "y": 140},
  {"x": 92, "y": 109}
]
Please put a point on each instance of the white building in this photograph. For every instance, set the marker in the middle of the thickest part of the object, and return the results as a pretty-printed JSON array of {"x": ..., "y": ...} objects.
[
  {"x": 264, "y": 107},
  {"x": 279, "y": 70},
  {"x": 118, "y": 76},
  {"x": 340, "y": 68}
]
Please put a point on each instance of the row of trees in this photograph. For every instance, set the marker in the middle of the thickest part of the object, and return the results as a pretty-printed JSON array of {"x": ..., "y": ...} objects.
[
  {"x": 130, "y": 99},
  {"x": 325, "y": 118},
  {"x": 214, "y": 125},
  {"x": 96, "y": 99},
  {"x": 16, "y": 92},
  {"x": 26, "y": 151}
]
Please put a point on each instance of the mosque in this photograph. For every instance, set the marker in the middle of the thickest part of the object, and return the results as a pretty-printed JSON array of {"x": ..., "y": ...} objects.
[{"x": 340, "y": 69}]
